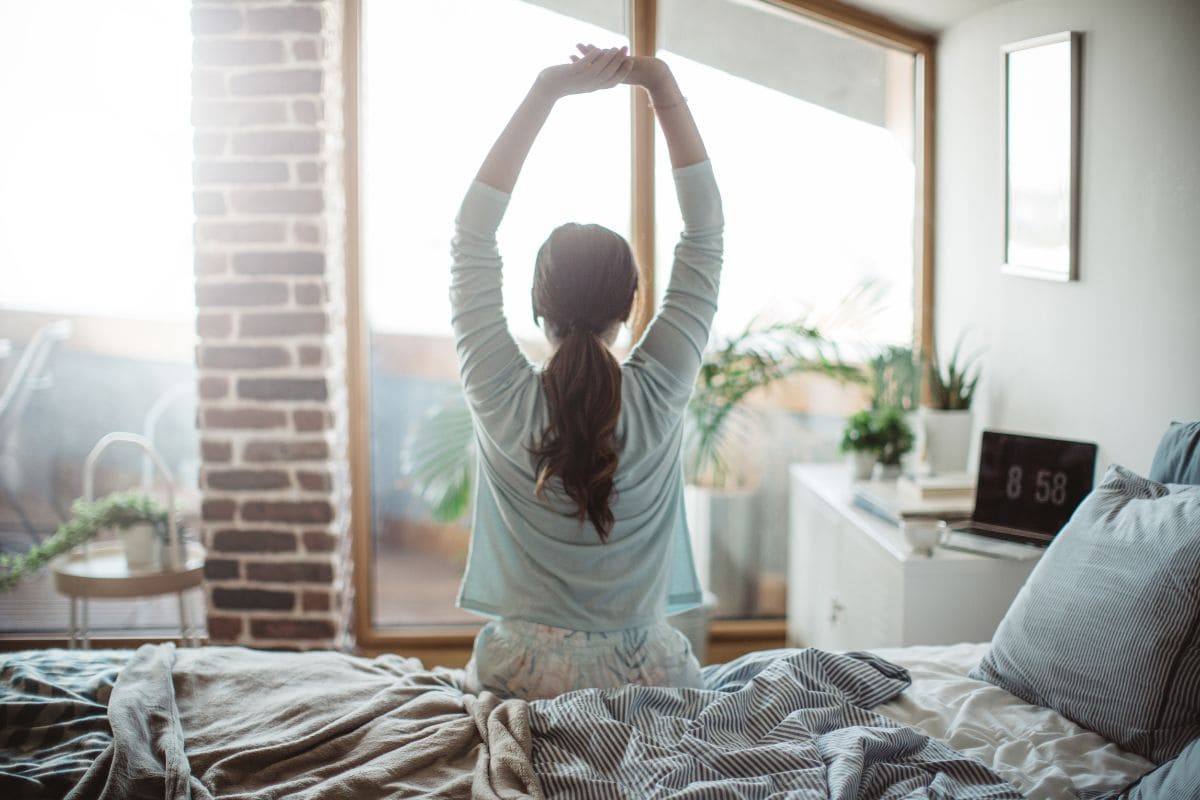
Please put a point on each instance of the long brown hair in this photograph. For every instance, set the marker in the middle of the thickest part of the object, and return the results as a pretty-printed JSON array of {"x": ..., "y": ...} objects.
[{"x": 583, "y": 283}]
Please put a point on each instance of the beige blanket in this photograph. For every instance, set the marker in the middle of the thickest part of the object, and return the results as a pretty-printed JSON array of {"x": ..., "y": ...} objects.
[{"x": 233, "y": 723}]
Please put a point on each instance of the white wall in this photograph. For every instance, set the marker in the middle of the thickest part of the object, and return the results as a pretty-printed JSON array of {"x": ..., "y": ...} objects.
[{"x": 1115, "y": 356}]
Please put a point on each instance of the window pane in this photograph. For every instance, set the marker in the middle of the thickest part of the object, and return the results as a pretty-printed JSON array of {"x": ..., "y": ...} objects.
[
  {"x": 95, "y": 229},
  {"x": 439, "y": 84},
  {"x": 811, "y": 136}
]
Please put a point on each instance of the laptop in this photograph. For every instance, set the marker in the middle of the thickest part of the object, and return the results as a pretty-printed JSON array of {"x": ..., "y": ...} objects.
[{"x": 1027, "y": 489}]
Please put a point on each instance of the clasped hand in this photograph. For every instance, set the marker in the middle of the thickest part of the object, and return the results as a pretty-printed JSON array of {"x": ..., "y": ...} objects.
[{"x": 598, "y": 69}]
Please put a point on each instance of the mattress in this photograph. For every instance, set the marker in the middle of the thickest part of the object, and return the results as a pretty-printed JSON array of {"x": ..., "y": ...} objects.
[{"x": 1041, "y": 752}]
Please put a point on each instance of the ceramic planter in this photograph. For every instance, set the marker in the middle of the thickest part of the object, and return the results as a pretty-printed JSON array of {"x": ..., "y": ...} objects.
[
  {"x": 861, "y": 463},
  {"x": 725, "y": 545},
  {"x": 947, "y": 439},
  {"x": 143, "y": 548}
]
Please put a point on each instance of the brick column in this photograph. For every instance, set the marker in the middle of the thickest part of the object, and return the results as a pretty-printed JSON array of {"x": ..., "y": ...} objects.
[{"x": 269, "y": 236}]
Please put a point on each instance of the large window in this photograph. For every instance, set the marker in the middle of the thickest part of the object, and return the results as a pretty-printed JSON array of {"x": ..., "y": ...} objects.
[
  {"x": 429, "y": 115},
  {"x": 96, "y": 249},
  {"x": 814, "y": 129},
  {"x": 811, "y": 131}
]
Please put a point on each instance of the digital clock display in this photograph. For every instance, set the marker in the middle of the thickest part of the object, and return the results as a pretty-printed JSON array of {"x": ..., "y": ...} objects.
[{"x": 1032, "y": 483}]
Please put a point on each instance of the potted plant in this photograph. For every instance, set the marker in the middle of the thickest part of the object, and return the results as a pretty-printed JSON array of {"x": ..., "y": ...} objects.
[
  {"x": 946, "y": 420},
  {"x": 860, "y": 444},
  {"x": 719, "y": 494},
  {"x": 891, "y": 431},
  {"x": 123, "y": 512}
]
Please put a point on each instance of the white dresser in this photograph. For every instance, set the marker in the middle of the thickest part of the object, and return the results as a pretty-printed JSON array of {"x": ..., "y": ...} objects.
[{"x": 853, "y": 582}]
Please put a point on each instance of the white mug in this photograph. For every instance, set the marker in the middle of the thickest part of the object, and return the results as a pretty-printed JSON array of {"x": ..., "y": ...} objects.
[{"x": 922, "y": 535}]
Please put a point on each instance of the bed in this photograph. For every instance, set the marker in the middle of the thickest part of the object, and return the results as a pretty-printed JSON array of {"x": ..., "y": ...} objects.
[
  {"x": 230, "y": 722},
  {"x": 1090, "y": 689}
]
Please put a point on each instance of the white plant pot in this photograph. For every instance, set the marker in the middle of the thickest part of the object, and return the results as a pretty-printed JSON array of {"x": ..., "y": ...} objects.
[
  {"x": 947, "y": 439},
  {"x": 861, "y": 464},
  {"x": 143, "y": 549},
  {"x": 725, "y": 545},
  {"x": 886, "y": 472}
]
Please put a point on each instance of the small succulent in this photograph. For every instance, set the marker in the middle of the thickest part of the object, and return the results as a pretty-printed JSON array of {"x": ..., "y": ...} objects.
[{"x": 953, "y": 389}]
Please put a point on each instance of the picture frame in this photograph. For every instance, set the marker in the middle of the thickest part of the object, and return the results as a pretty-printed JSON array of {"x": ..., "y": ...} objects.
[{"x": 1041, "y": 157}]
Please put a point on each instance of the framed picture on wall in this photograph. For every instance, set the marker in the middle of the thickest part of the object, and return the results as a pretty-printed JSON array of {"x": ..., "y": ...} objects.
[{"x": 1041, "y": 157}]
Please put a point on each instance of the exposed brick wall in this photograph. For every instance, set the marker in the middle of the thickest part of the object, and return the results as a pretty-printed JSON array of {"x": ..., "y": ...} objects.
[{"x": 268, "y": 197}]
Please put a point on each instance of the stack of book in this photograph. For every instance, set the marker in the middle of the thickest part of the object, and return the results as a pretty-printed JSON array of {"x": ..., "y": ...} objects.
[
  {"x": 933, "y": 497},
  {"x": 947, "y": 486}
]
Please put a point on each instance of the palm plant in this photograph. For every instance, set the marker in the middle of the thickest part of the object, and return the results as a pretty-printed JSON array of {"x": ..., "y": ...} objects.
[
  {"x": 759, "y": 356},
  {"x": 439, "y": 457}
]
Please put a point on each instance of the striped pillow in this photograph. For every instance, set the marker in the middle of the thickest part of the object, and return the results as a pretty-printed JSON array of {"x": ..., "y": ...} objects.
[
  {"x": 1105, "y": 631},
  {"x": 1177, "y": 459}
]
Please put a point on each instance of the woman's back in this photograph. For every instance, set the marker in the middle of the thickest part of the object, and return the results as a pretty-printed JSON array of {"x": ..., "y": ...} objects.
[{"x": 567, "y": 576}]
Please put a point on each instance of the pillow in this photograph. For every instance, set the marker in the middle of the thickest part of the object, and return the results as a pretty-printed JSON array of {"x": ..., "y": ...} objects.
[
  {"x": 1177, "y": 459},
  {"x": 1178, "y": 778},
  {"x": 1105, "y": 630}
]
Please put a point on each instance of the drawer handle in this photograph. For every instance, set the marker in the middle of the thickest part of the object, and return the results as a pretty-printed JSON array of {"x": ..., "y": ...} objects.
[{"x": 835, "y": 610}]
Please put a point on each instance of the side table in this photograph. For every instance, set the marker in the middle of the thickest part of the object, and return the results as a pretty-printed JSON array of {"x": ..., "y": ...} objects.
[
  {"x": 854, "y": 584},
  {"x": 102, "y": 573}
]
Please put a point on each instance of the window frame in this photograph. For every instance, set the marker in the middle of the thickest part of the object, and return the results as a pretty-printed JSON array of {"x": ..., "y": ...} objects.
[{"x": 451, "y": 645}]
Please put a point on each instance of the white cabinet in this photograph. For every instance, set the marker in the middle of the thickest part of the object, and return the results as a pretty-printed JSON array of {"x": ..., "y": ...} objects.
[{"x": 854, "y": 584}]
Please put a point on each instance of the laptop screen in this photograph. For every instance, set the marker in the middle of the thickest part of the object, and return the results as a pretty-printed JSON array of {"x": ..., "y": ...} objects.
[{"x": 1031, "y": 483}]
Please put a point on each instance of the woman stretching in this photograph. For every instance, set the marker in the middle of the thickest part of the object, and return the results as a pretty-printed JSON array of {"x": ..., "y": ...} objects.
[{"x": 579, "y": 545}]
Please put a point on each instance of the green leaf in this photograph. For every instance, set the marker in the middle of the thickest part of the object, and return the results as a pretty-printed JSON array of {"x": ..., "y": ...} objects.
[
  {"x": 119, "y": 510},
  {"x": 438, "y": 457}
]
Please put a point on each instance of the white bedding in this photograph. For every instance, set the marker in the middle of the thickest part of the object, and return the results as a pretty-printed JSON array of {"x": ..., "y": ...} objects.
[{"x": 1039, "y": 751}]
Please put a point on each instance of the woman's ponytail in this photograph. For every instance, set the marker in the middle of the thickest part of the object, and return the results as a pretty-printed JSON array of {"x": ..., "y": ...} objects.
[
  {"x": 583, "y": 395},
  {"x": 584, "y": 283}
]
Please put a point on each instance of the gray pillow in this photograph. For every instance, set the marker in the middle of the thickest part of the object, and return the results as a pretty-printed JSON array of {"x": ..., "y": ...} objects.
[
  {"x": 1176, "y": 779},
  {"x": 1105, "y": 629},
  {"x": 1177, "y": 459}
]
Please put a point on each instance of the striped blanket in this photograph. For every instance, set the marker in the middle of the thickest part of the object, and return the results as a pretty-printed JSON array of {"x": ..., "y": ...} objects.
[
  {"x": 786, "y": 723},
  {"x": 53, "y": 717},
  {"x": 782, "y": 723}
]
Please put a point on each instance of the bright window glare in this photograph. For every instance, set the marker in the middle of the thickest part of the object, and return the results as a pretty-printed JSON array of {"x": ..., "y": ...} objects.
[
  {"x": 433, "y": 104},
  {"x": 95, "y": 199},
  {"x": 816, "y": 202}
]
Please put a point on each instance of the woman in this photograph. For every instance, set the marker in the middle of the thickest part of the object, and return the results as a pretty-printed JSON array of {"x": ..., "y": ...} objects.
[{"x": 579, "y": 545}]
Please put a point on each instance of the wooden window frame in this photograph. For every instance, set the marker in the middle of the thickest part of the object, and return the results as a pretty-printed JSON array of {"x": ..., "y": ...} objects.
[{"x": 451, "y": 645}]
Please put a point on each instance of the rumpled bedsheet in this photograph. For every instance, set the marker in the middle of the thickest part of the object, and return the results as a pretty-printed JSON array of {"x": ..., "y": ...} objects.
[
  {"x": 784, "y": 723},
  {"x": 53, "y": 718},
  {"x": 235, "y": 723}
]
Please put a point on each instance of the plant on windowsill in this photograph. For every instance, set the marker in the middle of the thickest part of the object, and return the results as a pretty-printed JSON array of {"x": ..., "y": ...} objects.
[
  {"x": 947, "y": 419},
  {"x": 123, "y": 512}
]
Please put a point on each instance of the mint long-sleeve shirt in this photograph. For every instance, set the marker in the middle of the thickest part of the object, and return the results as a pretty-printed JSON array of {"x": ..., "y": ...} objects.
[{"x": 528, "y": 558}]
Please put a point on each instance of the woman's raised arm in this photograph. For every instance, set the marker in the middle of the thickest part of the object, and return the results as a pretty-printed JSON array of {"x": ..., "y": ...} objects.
[
  {"x": 597, "y": 69},
  {"x": 490, "y": 362}
]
